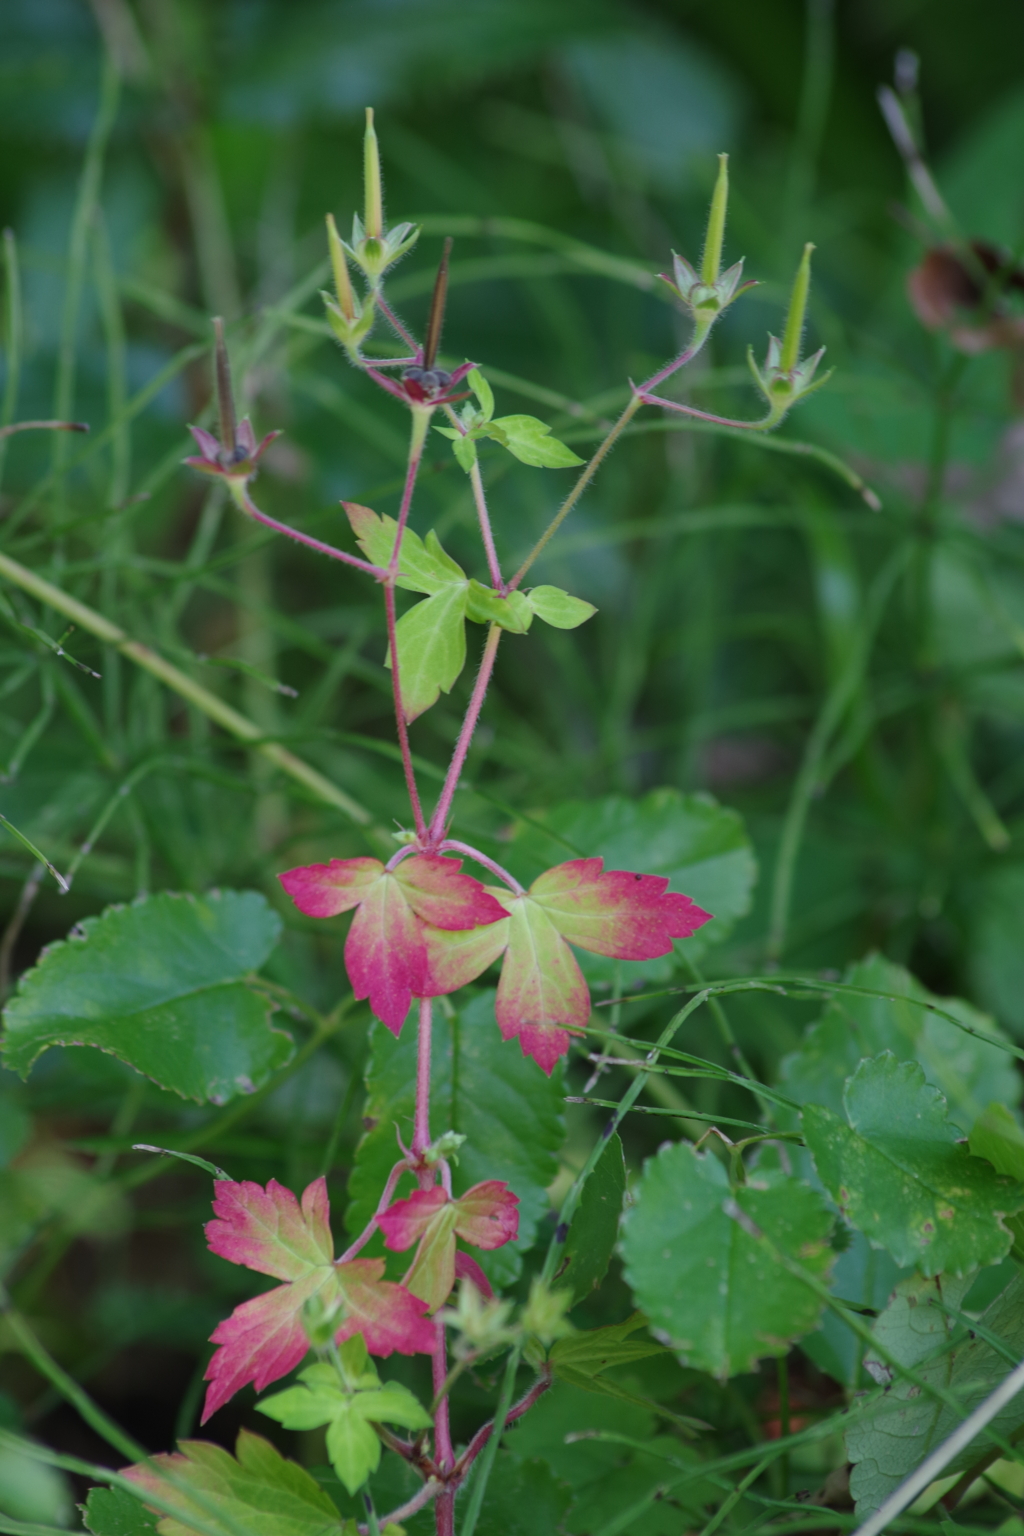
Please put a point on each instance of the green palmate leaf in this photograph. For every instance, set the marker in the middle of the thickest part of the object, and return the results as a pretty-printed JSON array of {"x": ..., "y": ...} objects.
[
  {"x": 894, "y": 1435},
  {"x": 485, "y": 606},
  {"x": 259, "y": 1491},
  {"x": 483, "y": 1088},
  {"x": 704, "y": 1262},
  {"x": 431, "y": 640},
  {"x": 423, "y": 565},
  {"x": 531, "y": 442},
  {"x": 895, "y": 1165},
  {"x": 113, "y": 1512},
  {"x": 558, "y": 609},
  {"x": 702, "y": 848},
  {"x": 161, "y": 985},
  {"x": 595, "y": 1226},
  {"x": 970, "y": 1073},
  {"x": 352, "y": 1443}
]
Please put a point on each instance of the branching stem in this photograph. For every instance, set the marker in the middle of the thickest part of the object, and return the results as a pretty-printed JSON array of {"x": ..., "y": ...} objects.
[{"x": 451, "y": 783}]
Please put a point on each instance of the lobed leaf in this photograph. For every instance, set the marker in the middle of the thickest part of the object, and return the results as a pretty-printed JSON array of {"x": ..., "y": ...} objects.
[
  {"x": 423, "y": 566},
  {"x": 431, "y": 641},
  {"x": 512, "y": 1119},
  {"x": 714, "y": 1290},
  {"x": 898, "y": 1171},
  {"x": 558, "y": 608},
  {"x": 530, "y": 440},
  {"x": 161, "y": 985}
]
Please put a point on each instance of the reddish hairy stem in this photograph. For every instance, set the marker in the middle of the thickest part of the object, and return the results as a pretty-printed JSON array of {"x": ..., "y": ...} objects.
[
  {"x": 444, "y": 1451},
  {"x": 410, "y": 1507},
  {"x": 686, "y": 356},
  {"x": 484, "y": 1433},
  {"x": 400, "y": 723},
  {"x": 451, "y": 846},
  {"x": 689, "y": 410},
  {"x": 382, "y": 1205},
  {"x": 451, "y": 783},
  {"x": 421, "y": 1129},
  {"x": 253, "y": 511}
]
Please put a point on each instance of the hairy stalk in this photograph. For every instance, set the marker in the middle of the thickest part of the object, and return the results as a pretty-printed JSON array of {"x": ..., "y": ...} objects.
[
  {"x": 484, "y": 520},
  {"x": 382, "y": 1205},
  {"x": 420, "y": 423},
  {"x": 249, "y": 507},
  {"x": 763, "y": 425},
  {"x": 450, "y": 845},
  {"x": 421, "y": 1127},
  {"x": 451, "y": 783},
  {"x": 587, "y": 474}
]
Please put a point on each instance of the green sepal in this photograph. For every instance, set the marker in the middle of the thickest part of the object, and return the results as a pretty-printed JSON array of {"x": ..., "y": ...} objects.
[
  {"x": 558, "y": 608},
  {"x": 485, "y": 606}
]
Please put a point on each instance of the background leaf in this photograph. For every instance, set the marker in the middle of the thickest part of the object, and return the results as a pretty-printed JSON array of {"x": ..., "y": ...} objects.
[
  {"x": 711, "y": 1290},
  {"x": 969, "y": 1073},
  {"x": 898, "y": 1169},
  {"x": 484, "y": 1088},
  {"x": 894, "y": 1436},
  {"x": 160, "y": 985},
  {"x": 113, "y": 1512},
  {"x": 595, "y": 1227}
]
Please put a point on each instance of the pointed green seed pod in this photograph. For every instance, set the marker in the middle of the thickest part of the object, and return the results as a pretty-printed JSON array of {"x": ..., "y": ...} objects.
[
  {"x": 711, "y": 264},
  {"x": 790, "y": 353},
  {"x": 342, "y": 283},
  {"x": 374, "y": 221}
]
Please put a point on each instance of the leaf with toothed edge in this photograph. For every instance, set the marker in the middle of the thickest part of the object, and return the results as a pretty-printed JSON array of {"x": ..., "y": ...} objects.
[
  {"x": 161, "y": 985},
  {"x": 486, "y": 1216},
  {"x": 481, "y": 1087}
]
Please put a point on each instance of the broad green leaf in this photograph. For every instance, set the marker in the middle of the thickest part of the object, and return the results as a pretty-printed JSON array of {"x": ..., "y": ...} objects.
[
  {"x": 113, "y": 1512},
  {"x": 895, "y": 1165},
  {"x": 997, "y": 1137},
  {"x": 423, "y": 565},
  {"x": 595, "y": 1226},
  {"x": 162, "y": 986},
  {"x": 701, "y": 846},
  {"x": 714, "y": 1290},
  {"x": 483, "y": 1088},
  {"x": 558, "y": 608},
  {"x": 513, "y": 612},
  {"x": 260, "y": 1491},
  {"x": 887, "y": 1440},
  {"x": 524, "y": 1498},
  {"x": 431, "y": 641},
  {"x": 966, "y": 1070},
  {"x": 531, "y": 442}
]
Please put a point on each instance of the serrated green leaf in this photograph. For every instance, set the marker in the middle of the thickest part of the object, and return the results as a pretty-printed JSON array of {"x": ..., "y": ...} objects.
[
  {"x": 353, "y": 1446},
  {"x": 484, "y": 394},
  {"x": 485, "y": 606},
  {"x": 700, "y": 845},
  {"x": 889, "y": 1439},
  {"x": 352, "y": 1443},
  {"x": 558, "y": 608},
  {"x": 713, "y": 1290},
  {"x": 595, "y": 1227},
  {"x": 482, "y": 1087},
  {"x": 531, "y": 442},
  {"x": 260, "y": 1491},
  {"x": 160, "y": 985},
  {"x": 966, "y": 1070},
  {"x": 896, "y": 1168},
  {"x": 431, "y": 641},
  {"x": 423, "y": 565},
  {"x": 113, "y": 1512}
]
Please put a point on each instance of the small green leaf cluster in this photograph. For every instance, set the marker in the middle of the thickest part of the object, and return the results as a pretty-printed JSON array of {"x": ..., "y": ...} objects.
[
  {"x": 526, "y": 437},
  {"x": 348, "y": 1397}
]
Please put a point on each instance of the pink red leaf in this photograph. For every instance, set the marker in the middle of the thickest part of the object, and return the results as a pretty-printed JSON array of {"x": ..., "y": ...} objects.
[
  {"x": 486, "y": 1216},
  {"x": 468, "y": 1269},
  {"x": 263, "y": 1339},
  {"x": 267, "y": 1230},
  {"x": 385, "y": 952},
  {"x": 613, "y": 912},
  {"x": 541, "y": 993},
  {"x": 324, "y": 890},
  {"x": 456, "y": 959}
]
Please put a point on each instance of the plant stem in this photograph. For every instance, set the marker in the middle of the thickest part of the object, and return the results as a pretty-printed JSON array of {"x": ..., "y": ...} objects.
[
  {"x": 770, "y": 420},
  {"x": 382, "y": 1205},
  {"x": 490, "y": 1446},
  {"x": 443, "y": 1448},
  {"x": 476, "y": 481},
  {"x": 420, "y": 423},
  {"x": 421, "y": 1129},
  {"x": 451, "y": 783},
  {"x": 451, "y": 846},
  {"x": 394, "y": 322},
  {"x": 252, "y": 510},
  {"x": 604, "y": 448}
]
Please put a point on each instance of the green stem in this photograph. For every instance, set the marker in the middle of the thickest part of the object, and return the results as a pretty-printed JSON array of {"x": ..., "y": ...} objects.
[
  {"x": 93, "y": 1415},
  {"x": 13, "y": 338}
]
